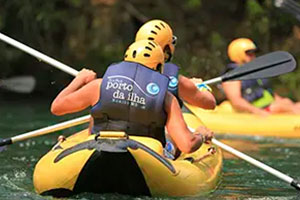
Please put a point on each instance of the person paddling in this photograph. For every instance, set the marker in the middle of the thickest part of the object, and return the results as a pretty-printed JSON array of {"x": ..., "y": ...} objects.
[
  {"x": 180, "y": 86},
  {"x": 132, "y": 97},
  {"x": 254, "y": 96}
]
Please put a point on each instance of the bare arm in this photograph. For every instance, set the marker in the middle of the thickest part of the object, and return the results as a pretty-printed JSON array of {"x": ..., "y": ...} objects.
[
  {"x": 81, "y": 93},
  {"x": 233, "y": 93},
  {"x": 185, "y": 140},
  {"x": 188, "y": 91}
]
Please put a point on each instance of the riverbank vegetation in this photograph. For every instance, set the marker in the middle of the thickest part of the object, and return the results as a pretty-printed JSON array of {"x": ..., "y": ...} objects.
[{"x": 95, "y": 33}]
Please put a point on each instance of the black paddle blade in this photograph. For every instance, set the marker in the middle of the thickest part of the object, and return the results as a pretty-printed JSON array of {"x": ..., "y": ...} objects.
[
  {"x": 266, "y": 66},
  {"x": 3, "y": 148},
  {"x": 4, "y": 142}
]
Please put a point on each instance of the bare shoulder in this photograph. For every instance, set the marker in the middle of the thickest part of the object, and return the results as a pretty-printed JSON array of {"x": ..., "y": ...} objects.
[
  {"x": 169, "y": 97},
  {"x": 170, "y": 102},
  {"x": 93, "y": 90},
  {"x": 94, "y": 84}
]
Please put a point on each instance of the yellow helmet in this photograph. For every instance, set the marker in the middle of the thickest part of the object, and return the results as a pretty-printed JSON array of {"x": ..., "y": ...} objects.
[
  {"x": 159, "y": 32},
  {"x": 238, "y": 48},
  {"x": 147, "y": 53}
]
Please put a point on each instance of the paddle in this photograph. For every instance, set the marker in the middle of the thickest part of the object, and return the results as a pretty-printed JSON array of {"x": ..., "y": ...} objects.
[
  {"x": 38, "y": 55},
  {"x": 289, "y": 6},
  {"x": 43, "y": 131},
  {"x": 20, "y": 84},
  {"x": 259, "y": 164},
  {"x": 256, "y": 163},
  {"x": 268, "y": 65}
]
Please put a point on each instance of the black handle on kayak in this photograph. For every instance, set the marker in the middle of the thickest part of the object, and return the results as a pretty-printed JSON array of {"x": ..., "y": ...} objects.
[
  {"x": 266, "y": 66},
  {"x": 137, "y": 145}
]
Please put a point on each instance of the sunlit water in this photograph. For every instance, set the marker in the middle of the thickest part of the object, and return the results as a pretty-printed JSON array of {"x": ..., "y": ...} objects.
[{"x": 240, "y": 180}]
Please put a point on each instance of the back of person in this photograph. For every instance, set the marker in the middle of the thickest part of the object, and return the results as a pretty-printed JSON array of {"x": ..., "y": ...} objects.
[
  {"x": 132, "y": 97},
  {"x": 131, "y": 100},
  {"x": 181, "y": 87}
]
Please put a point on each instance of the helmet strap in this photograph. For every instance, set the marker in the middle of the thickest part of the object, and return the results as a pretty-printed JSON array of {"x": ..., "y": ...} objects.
[{"x": 168, "y": 54}]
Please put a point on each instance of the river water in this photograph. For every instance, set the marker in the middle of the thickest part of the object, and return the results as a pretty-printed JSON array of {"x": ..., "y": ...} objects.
[{"x": 240, "y": 180}]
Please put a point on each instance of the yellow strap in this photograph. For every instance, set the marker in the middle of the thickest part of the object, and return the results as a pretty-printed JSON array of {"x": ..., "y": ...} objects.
[{"x": 118, "y": 134}]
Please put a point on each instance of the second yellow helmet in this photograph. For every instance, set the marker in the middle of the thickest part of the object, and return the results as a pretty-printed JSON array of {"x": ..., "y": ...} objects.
[{"x": 159, "y": 32}]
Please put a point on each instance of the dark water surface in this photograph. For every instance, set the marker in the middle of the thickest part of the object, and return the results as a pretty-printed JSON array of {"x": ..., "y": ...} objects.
[{"x": 240, "y": 180}]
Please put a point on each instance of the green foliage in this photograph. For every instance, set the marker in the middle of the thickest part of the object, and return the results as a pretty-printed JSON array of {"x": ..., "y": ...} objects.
[
  {"x": 254, "y": 8},
  {"x": 193, "y": 3},
  {"x": 95, "y": 33}
]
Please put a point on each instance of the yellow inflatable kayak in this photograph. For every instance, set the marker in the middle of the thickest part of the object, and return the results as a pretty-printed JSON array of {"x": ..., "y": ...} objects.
[
  {"x": 115, "y": 163},
  {"x": 225, "y": 120}
]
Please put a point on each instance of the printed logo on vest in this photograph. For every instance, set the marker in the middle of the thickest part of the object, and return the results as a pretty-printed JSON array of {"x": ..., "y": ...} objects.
[
  {"x": 122, "y": 91},
  {"x": 152, "y": 88},
  {"x": 173, "y": 83}
]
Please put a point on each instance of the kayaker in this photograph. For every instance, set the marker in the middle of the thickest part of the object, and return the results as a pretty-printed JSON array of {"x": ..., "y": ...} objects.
[
  {"x": 180, "y": 86},
  {"x": 131, "y": 97},
  {"x": 254, "y": 96}
]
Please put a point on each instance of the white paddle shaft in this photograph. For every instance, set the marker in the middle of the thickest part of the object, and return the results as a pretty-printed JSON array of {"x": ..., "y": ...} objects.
[
  {"x": 213, "y": 81},
  {"x": 254, "y": 162},
  {"x": 38, "y": 55},
  {"x": 49, "y": 129}
]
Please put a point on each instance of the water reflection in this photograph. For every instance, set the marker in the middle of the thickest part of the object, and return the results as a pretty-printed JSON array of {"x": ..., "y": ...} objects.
[{"x": 240, "y": 180}]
